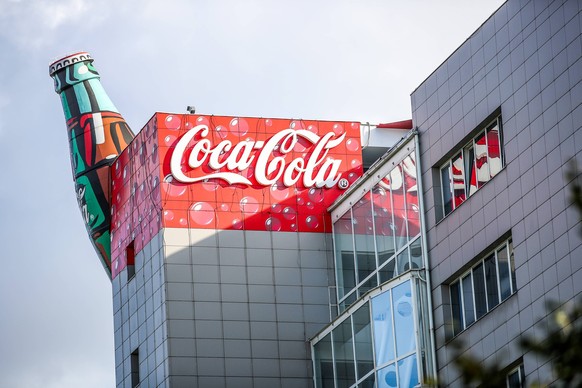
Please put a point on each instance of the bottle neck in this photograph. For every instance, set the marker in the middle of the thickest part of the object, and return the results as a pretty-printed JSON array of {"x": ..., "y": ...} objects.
[{"x": 80, "y": 89}]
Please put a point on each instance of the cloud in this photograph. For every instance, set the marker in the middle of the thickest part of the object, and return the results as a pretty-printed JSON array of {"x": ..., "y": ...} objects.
[{"x": 30, "y": 24}]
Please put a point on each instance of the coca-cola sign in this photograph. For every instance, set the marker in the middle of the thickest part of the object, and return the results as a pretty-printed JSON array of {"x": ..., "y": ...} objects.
[
  {"x": 269, "y": 169},
  {"x": 249, "y": 173}
]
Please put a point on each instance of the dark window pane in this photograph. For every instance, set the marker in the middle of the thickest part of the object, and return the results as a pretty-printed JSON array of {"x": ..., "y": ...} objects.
[
  {"x": 368, "y": 285},
  {"x": 458, "y": 172},
  {"x": 446, "y": 189},
  {"x": 416, "y": 254},
  {"x": 403, "y": 262},
  {"x": 364, "y": 236},
  {"x": 343, "y": 351},
  {"x": 504, "y": 279},
  {"x": 494, "y": 149},
  {"x": 363, "y": 341},
  {"x": 515, "y": 378},
  {"x": 350, "y": 299},
  {"x": 468, "y": 300},
  {"x": 481, "y": 160},
  {"x": 456, "y": 306},
  {"x": 491, "y": 282},
  {"x": 387, "y": 272},
  {"x": 323, "y": 363},
  {"x": 344, "y": 254},
  {"x": 479, "y": 284},
  {"x": 370, "y": 382}
]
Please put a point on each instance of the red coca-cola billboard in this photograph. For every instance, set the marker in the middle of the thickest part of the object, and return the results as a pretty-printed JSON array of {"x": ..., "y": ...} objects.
[{"x": 220, "y": 172}]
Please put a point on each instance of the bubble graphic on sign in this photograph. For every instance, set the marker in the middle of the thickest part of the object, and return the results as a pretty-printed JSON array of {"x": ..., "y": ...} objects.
[
  {"x": 289, "y": 213},
  {"x": 173, "y": 122},
  {"x": 209, "y": 185},
  {"x": 183, "y": 222},
  {"x": 238, "y": 127},
  {"x": 316, "y": 195},
  {"x": 312, "y": 222},
  {"x": 169, "y": 140},
  {"x": 221, "y": 131},
  {"x": 249, "y": 205},
  {"x": 352, "y": 145},
  {"x": 237, "y": 224},
  {"x": 202, "y": 120},
  {"x": 272, "y": 224},
  {"x": 280, "y": 193},
  {"x": 338, "y": 129},
  {"x": 202, "y": 213},
  {"x": 276, "y": 208},
  {"x": 172, "y": 187},
  {"x": 224, "y": 207}
]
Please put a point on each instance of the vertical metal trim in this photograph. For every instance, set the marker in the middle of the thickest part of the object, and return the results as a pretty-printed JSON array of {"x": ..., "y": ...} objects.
[{"x": 423, "y": 231}]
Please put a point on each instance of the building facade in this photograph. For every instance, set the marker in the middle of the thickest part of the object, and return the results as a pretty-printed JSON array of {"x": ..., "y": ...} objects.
[
  {"x": 250, "y": 252},
  {"x": 499, "y": 122}
]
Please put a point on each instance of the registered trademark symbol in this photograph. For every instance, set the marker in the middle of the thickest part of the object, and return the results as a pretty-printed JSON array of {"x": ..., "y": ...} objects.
[{"x": 343, "y": 183}]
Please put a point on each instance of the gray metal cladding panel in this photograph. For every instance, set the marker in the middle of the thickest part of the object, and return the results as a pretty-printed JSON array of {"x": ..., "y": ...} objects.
[
  {"x": 526, "y": 61},
  {"x": 247, "y": 301}
]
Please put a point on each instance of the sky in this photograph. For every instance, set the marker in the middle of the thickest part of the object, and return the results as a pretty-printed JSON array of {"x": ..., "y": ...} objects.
[{"x": 323, "y": 59}]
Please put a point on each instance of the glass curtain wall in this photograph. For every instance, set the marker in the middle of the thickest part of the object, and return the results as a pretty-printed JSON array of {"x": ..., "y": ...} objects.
[
  {"x": 378, "y": 238},
  {"x": 378, "y": 343}
]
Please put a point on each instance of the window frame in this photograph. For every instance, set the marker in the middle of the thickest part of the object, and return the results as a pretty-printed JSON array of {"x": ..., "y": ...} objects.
[
  {"x": 460, "y": 323},
  {"x": 464, "y": 153}
]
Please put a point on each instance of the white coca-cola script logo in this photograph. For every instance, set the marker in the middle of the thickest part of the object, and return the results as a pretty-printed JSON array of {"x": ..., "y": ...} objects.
[{"x": 268, "y": 169}]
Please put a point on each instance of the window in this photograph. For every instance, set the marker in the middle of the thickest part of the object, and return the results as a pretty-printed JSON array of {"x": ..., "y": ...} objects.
[
  {"x": 472, "y": 166},
  {"x": 130, "y": 260},
  {"x": 515, "y": 378},
  {"x": 484, "y": 286},
  {"x": 135, "y": 368}
]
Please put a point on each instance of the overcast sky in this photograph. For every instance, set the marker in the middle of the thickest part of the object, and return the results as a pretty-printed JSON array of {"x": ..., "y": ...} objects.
[{"x": 310, "y": 59}]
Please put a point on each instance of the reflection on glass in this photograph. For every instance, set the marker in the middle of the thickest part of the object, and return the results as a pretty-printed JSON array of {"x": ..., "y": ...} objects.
[
  {"x": 468, "y": 300},
  {"x": 344, "y": 354},
  {"x": 368, "y": 285},
  {"x": 383, "y": 333},
  {"x": 403, "y": 262},
  {"x": 458, "y": 322},
  {"x": 347, "y": 302},
  {"x": 447, "y": 194},
  {"x": 344, "y": 254},
  {"x": 403, "y": 318},
  {"x": 370, "y": 382},
  {"x": 387, "y": 377},
  {"x": 504, "y": 280},
  {"x": 387, "y": 272},
  {"x": 363, "y": 341},
  {"x": 416, "y": 254},
  {"x": 494, "y": 148},
  {"x": 364, "y": 236},
  {"x": 512, "y": 265},
  {"x": 323, "y": 363},
  {"x": 412, "y": 209},
  {"x": 458, "y": 173},
  {"x": 383, "y": 222},
  {"x": 398, "y": 191},
  {"x": 491, "y": 282},
  {"x": 470, "y": 171},
  {"x": 479, "y": 283},
  {"x": 481, "y": 160},
  {"x": 408, "y": 372}
]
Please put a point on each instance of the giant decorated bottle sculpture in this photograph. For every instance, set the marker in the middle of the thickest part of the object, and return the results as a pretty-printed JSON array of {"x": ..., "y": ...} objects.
[{"x": 97, "y": 135}]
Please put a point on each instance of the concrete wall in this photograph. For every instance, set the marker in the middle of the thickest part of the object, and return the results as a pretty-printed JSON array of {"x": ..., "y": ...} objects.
[{"x": 526, "y": 59}]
